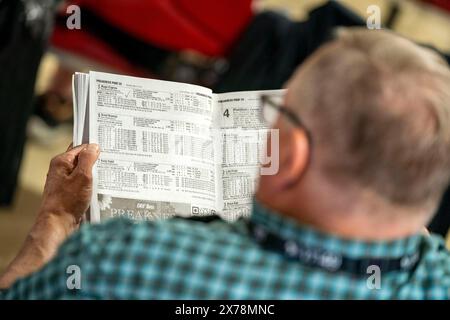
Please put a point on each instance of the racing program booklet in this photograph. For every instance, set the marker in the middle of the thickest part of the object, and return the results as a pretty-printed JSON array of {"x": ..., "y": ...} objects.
[{"x": 167, "y": 148}]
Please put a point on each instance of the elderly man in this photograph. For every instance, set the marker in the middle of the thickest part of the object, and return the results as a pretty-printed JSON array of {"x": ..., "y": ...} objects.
[{"x": 364, "y": 159}]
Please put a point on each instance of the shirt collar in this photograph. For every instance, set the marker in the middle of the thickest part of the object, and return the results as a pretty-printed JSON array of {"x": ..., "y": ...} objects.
[{"x": 290, "y": 229}]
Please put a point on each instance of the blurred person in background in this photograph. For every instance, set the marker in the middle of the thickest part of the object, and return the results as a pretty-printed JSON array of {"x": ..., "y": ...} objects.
[
  {"x": 25, "y": 26},
  {"x": 364, "y": 160}
]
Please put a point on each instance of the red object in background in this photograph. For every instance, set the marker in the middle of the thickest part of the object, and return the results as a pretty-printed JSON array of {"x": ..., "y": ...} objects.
[
  {"x": 209, "y": 27},
  {"x": 445, "y": 4},
  {"x": 81, "y": 44}
]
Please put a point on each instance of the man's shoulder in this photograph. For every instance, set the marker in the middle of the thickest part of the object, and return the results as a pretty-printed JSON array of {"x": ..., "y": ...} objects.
[
  {"x": 110, "y": 253},
  {"x": 434, "y": 249},
  {"x": 121, "y": 232},
  {"x": 156, "y": 253},
  {"x": 433, "y": 272},
  {"x": 176, "y": 224}
]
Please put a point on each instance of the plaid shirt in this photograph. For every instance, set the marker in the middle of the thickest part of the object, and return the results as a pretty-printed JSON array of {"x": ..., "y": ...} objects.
[{"x": 186, "y": 259}]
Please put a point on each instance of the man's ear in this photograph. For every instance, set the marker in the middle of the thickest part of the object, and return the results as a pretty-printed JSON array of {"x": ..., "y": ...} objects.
[
  {"x": 294, "y": 158},
  {"x": 294, "y": 153}
]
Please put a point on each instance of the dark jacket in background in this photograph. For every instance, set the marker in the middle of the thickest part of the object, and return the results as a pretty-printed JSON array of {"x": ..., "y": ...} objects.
[
  {"x": 24, "y": 28},
  {"x": 273, "y": 46}
]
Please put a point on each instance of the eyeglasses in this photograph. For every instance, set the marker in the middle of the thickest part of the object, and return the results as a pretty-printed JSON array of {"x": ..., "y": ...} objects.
[{"x": 270, "y": 111}]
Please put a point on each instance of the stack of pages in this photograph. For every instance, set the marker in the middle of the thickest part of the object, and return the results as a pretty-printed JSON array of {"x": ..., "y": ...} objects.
[{"x": 169, "y": 149}]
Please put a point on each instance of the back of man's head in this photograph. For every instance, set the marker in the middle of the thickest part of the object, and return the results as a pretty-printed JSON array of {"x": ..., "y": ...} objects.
[{"x": 378, "y": 107}]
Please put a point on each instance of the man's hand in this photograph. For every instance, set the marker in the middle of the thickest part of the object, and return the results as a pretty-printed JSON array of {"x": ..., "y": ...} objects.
[
  {"x": 66, "y": 197},
  {"x": 68, "y": 188}
]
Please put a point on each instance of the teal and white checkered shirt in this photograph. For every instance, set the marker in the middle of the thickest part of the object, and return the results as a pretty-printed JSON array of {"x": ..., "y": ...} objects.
[{"x": 186, "y": 259}]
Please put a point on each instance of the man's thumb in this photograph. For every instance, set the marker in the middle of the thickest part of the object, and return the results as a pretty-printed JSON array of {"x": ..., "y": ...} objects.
[{"x": 87, "y": 158}]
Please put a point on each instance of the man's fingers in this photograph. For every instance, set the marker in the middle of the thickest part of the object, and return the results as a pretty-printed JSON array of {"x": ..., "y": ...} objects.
[
  {"x": 75, "y": 151},
  {"x": 70, "y": 147},
  {"x": 69, "y": 160},
  {"x": 65, "y": 161},
  {"x": 86, "y": 159}
]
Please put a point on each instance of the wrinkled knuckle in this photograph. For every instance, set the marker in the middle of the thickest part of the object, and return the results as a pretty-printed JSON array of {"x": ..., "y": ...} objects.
[
  {"x": 56, "y": 161},
  {"x": 84, "y": 177}
]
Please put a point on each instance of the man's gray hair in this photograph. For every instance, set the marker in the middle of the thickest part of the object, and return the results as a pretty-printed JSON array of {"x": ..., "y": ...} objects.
[{"x": 379, "y": 110}]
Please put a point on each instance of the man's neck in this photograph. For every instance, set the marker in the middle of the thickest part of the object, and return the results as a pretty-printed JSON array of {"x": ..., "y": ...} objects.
[{"x": 357, "y": 222}]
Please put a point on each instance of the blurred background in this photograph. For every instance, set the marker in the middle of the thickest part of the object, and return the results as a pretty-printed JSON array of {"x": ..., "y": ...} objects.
[{"x": 225, "y": 45}]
